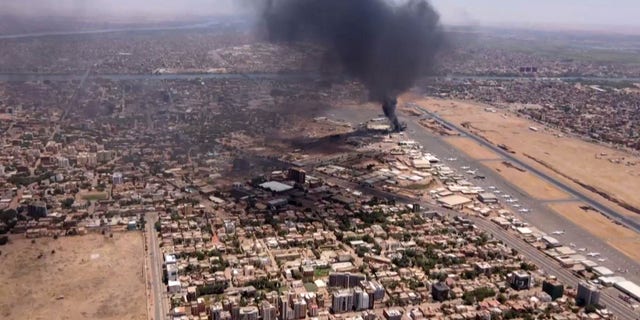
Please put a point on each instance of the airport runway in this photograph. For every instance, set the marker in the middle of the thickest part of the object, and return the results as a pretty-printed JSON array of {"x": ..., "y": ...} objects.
[{"x": 540, "y": 216}]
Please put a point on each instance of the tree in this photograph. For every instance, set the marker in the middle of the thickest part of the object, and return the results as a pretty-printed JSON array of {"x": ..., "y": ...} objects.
[
  {"x": 200, "y": 255},
  {"x": 361, "y": 250},
  {"x": 67, "y": 203},
  {"x": 4, "y": 240}
]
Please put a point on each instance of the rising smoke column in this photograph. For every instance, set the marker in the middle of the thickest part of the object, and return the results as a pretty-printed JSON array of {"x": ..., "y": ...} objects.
[{"x": 386, "y": 46}]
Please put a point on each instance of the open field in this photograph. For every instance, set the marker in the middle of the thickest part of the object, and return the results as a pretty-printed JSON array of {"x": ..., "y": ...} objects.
[
  {"x": 527, "y": 182},
  {"x": 619, "y": 237},
  {"x": 87, "y": 277},
  {"x": 612, "y": 172},
  {"x": 471, "y": 148}
]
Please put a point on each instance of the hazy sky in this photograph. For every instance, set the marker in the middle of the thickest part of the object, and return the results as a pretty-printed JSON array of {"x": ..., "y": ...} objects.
[
  {"x": 476, "y": 12},
  {"x": 541, "y": 12}
]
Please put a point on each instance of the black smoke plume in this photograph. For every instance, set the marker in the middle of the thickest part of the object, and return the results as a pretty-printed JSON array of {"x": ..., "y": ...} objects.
[{"x": 385, "y": 45}]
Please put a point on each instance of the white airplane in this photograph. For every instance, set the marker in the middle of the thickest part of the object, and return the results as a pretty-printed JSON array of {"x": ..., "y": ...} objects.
[
  {"x": 465, "y": 168},
  {"x": 572, "y": 245},
  {"x": 593, "y": 254},
  {"x": 602, "y": 259},
  {"x": 492, "y": 187},
  {"x": 516, "y": 205},
  {"x": 582, "y": 249},
  {"x": 523, "y": 210},
  {"x": 506, "y": 196},
  {"x": 497, "y": 191},
  {"x": 471, "y": 171},
  {"x": 452, "y": 159},
  {"x": 558, "y": 232}
]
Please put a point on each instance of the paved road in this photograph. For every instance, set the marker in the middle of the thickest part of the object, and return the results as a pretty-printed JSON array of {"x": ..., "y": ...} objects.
[
  {"x": 629, "y": 222},
  {"x": 155, "y": 261}
]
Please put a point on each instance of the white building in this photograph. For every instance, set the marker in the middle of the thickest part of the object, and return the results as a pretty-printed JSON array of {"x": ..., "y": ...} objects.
[
  {"x": 174, "y": 286},
  {"x": 63, "y": 162},
  {"x": 117, "y": 179}
]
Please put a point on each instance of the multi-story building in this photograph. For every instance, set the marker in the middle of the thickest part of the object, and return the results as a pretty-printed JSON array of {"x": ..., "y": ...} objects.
[
  {"x": 117, "y": 178},
  {"x": 519, "y": 280},
  {"x": 345, "y": 280},
  {"x": 299, "y": 309},
  {"x": 298, "y": 175},
  {"x": 248, "y": 313},
  {"x": 392, "y": 314},
  {"x": 284, "y": 308},
  {"x": 440, "y": 291},
  {"x": 361, "y": 299},
  {"x": 268, "y": 311},
  {"x": 588, "y": 294},
  {"x": 215, "y": 311},
  {"x": 553, "y": 288},
  {"x": 342, "y": 301}
]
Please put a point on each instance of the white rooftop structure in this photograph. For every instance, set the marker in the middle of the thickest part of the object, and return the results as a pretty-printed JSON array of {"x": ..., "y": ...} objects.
[
  {"x": 629, "y": 288},
  {"x": 602, "y": 271},
  {"x": 276, "y": 186}
]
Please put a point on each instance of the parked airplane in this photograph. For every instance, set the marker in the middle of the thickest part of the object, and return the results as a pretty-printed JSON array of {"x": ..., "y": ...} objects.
[
  {"x": 593, "y": 254},
  {"x": 558, "y": 232}
]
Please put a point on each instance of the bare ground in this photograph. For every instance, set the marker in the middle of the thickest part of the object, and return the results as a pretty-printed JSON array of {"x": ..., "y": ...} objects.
[
  {"x": 527, "y": 182},
  {"x": 471, "y": 148},
  {"x": 87, "y": 277},
  {"x": 619, "y": 237},
  {"x": 615, "y": 172}
]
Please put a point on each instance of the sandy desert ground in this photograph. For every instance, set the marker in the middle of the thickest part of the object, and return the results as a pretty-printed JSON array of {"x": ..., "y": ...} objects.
[
  {"x": 87, "y": 277},
  {"x": 619, "y": 237},
  {"x": 527, "y": 182},
  {"x": 589, "y": 163},
  {"x": 471, "y": 148}
]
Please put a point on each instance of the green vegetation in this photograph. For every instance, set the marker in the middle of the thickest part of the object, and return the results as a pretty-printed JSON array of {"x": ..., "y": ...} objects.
[
  {"x": 321, "y": 272},
  {"x": 477, "y": 295},
  {"x": 217, "y": 288},
  {"x": 265, "y": 284},
  {"x": 24, "y": 180},
  {"x": 311, "y": 287},
  {"x": 67, "y": 203}
]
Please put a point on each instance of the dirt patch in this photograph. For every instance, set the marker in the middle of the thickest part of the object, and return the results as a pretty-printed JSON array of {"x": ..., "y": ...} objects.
[
  {"x": 471, "y": 148},
  {"x": 617, "y": 236},
  {"x": 526, "y": 181},
  {"x": 86, "y": 277}
]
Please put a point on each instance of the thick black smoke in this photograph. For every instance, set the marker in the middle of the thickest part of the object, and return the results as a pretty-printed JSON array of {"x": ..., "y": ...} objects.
[{"x": 386, "y": 46}]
